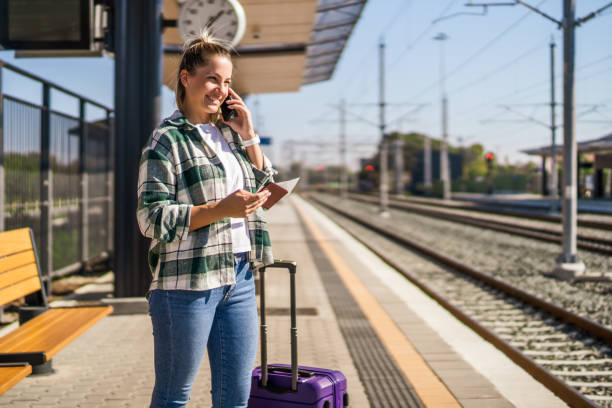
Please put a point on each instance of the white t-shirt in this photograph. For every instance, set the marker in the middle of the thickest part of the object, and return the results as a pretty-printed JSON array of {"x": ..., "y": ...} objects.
[{"x": 234, "y": 181}]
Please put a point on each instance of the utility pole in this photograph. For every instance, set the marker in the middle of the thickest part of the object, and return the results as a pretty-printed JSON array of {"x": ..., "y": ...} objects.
[
  {"x": 444, "y": 175},
  {"x": 398, "y": 163},
  {"x": 384, "y": 187},
  {"x": 304, "y": 172},
  {"x": 343, "y": 169},
  {"x": 553, "y": 129},
  {"x": 427, "y": 162}
]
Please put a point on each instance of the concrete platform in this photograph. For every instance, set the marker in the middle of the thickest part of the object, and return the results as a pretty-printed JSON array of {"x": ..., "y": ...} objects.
[{"x": 111, "y": 365}]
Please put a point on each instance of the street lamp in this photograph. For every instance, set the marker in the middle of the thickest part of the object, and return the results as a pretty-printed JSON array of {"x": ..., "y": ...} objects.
[{"x": 444, "y": 175}]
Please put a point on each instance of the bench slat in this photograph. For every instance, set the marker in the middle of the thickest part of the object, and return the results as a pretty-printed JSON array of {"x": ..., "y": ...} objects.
[
  {"x": 15, "y": 241},
  {"x": 17, "y": 260},
  {"x": 53, "y": 330},
  {"x": 10, "y": 376},
  {"x": 18, "y": 340},
  {"x": 18, "y": 275},
  {"x": 19, "y": 290}
]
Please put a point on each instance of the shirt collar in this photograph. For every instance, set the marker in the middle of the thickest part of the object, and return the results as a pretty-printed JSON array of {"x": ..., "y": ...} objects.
[{"x": 178, "y": 119}]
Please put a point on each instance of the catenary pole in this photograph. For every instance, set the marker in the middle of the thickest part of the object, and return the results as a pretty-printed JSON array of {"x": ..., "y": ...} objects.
[
  {"x": 398, "y": 163},
  {"x": 427, "y": 162},
  {"x": 304, "y": 172},
  {"x": 568, "y": 263},
  {"x": 384, "y": 186},
  {"x": 553, "y": 128},
  {"x": 343, "y": 167},
  {"x": 444, "y": 174}
]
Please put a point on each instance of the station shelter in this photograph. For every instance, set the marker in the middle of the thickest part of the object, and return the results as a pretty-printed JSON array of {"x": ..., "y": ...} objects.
[{"x": 594, "y": 167}]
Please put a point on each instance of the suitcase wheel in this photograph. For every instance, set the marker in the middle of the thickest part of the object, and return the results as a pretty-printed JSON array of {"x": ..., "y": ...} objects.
[
  {"x": 345, "y": 399},
  {"x": 326, "y": 404}
]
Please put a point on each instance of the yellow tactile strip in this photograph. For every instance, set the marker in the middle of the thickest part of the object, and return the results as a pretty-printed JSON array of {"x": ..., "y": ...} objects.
[{"x": 429, "y": 388}]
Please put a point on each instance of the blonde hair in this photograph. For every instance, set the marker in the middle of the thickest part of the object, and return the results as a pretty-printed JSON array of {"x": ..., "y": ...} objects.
[{"x": 197, "y": 52}]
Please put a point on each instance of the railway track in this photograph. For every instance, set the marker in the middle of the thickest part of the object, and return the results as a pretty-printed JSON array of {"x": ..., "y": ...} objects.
[
  {"x": 482, "y": 208},
  {"x": 587, "y": 242},
  {"x": 568, "y": 353}
]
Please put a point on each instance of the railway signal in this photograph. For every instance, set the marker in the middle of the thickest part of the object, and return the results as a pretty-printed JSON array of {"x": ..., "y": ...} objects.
[{"x": 489, "y": 159}]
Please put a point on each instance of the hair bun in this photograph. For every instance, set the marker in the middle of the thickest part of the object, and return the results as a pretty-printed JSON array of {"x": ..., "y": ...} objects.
[{"x": 207, "y": 39}]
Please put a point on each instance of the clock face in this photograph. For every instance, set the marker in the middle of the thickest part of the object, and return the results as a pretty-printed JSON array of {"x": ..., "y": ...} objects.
[{"x": 225, "y": 19}]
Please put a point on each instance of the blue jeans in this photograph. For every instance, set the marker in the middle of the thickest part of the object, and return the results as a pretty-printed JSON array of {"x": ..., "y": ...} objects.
[{"x": 186, "y": 322}]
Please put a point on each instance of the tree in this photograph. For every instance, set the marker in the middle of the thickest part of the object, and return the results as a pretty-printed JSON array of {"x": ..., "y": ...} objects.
[{"x": 474, "y": 164}]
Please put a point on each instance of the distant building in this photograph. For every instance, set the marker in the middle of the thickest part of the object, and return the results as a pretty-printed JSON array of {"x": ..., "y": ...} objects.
[{"x": 418, "y": 176}]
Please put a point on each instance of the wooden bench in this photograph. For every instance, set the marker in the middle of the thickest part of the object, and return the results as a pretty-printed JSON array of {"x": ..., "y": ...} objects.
[{"x": 43, "y": 331}]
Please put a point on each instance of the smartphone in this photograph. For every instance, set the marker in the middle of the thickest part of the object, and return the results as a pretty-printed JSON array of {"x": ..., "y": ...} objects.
[{"x": 227, "y": 113}]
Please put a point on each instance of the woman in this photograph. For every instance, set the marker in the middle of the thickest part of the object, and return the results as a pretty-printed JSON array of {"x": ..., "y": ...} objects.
[{"x": 197, "y": 200}]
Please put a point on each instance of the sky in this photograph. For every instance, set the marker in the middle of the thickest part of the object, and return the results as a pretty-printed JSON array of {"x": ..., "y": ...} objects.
[{"x": 497, "y": 78}]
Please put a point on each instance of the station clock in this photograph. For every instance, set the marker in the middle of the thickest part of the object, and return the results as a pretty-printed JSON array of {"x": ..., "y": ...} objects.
[{"x": 224, "y": 18}]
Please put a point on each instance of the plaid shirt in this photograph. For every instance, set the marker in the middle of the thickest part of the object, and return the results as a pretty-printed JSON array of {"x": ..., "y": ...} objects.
[{"x": 177, "y": 171}]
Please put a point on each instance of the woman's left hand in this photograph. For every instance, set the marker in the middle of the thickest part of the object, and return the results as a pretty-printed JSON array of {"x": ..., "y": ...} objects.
[{"x": 242, "y": 123}]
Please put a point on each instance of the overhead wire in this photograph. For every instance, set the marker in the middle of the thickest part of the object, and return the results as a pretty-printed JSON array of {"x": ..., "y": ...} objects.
[
  {"x": 473, "y": 56},
  {"x": 497, "y": 70},
  {"x": 423, "y": 33},
  {"x": 419, "y": 37},
  {"x": 531, "y": 115},
  {"x": 395, "y": 17},
  {"x": 537, "y": 89},
  {"x": 480, "y": 51},
  {"x": 367, "y": 54},
  {"x": 534, "y": 86}
]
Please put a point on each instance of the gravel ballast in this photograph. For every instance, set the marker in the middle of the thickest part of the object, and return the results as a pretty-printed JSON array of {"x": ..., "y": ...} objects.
[{"x": 518, "y": 260}]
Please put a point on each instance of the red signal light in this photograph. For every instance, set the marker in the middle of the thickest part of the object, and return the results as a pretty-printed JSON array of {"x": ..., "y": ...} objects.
[
  {"x": 490, "y": 156},
  {"x": 369, "y": 167},
  {"x": 320, "y": 168}
]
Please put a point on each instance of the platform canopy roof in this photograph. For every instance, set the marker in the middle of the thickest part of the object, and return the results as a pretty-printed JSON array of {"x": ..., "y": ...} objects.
[
  {"x": 287, "y": 43},
  {"x": 600, "y": 145}
]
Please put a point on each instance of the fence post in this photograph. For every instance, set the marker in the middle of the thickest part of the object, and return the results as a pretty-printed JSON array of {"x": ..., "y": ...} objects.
[
  {"x": 46, "y": 190},
  {"x": 83, "y": 187},
  {"x": 2, "y": 177},
  {"x": 110, "y": 171}
]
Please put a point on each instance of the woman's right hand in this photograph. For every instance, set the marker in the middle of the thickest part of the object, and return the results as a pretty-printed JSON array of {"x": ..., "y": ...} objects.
[{"x": 241, "y": 203}]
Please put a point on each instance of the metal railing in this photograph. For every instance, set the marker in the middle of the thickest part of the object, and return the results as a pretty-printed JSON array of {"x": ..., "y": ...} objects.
[{"x": 56, "y": 174}]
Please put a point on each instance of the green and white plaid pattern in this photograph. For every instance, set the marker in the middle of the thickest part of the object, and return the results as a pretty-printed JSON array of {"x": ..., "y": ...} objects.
[{"x": 177, "y": 171}]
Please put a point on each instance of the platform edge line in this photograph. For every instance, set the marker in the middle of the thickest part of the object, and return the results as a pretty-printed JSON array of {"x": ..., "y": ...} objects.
[{"x": 429, "y": 387}]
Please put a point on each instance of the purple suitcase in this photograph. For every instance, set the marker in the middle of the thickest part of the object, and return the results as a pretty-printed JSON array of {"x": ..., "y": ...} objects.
[{"x": 290, "y": 386}]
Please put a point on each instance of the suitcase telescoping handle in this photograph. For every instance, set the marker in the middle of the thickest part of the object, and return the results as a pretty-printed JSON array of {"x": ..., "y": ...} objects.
[{"x": 292, "y": 267}]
